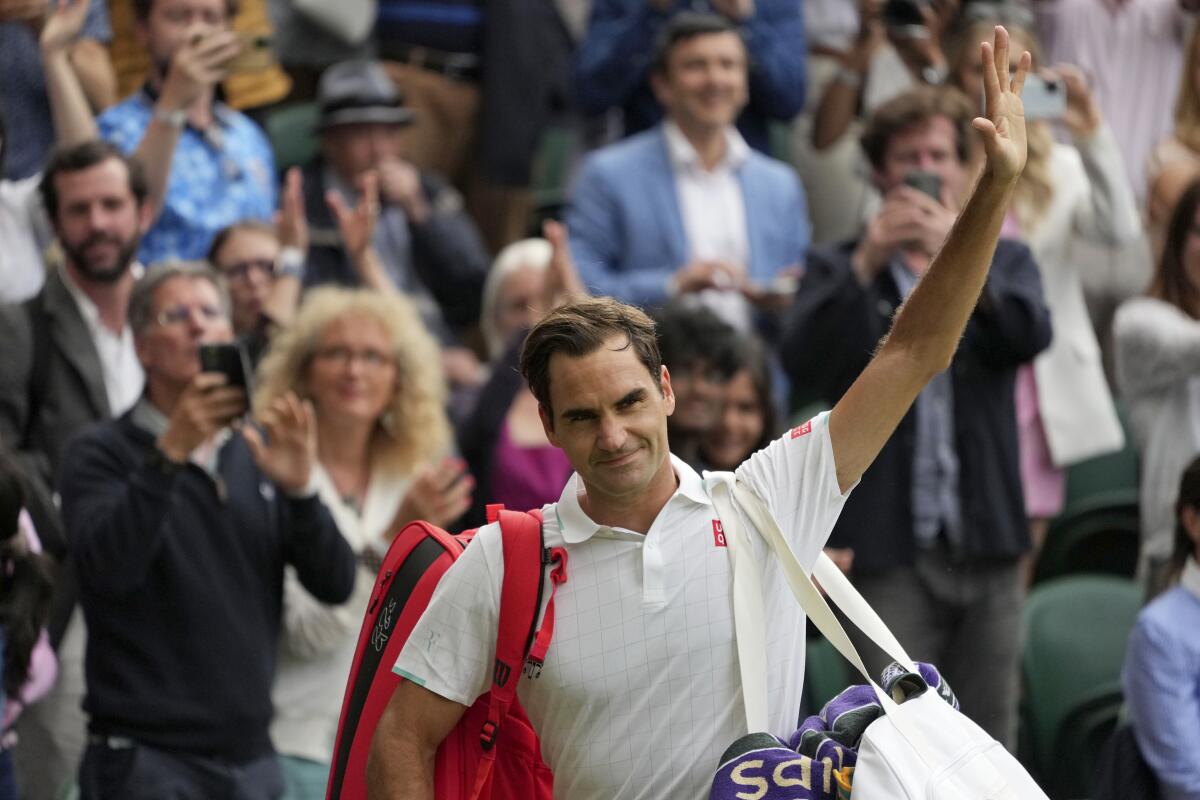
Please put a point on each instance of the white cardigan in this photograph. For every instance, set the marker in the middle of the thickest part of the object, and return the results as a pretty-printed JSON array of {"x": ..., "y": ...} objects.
[
  {"x": 318, "y": 641},
  {"x": 1092, "y": 200},
  {"x": 1158, "y": 371}
]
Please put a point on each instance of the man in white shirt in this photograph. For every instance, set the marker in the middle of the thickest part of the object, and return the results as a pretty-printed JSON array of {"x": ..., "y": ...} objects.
[
  {"x": 68, "y": 351},
  {"x": 641, "y": 693}
]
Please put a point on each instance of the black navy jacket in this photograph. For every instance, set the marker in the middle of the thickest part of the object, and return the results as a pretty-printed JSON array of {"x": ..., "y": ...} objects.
[
  {"x": 834, "y": 328},
  {"x": 181, "y": 586}
]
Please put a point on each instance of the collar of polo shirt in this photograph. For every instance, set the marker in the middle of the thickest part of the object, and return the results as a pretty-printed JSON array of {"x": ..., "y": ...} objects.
[{"x": 576, "y": 526}]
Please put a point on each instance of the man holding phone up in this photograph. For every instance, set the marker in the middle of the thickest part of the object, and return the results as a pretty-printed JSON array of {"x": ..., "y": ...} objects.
[
  {"x": 208, "y": 165},
  {"x": 938, "y": 523},
  {"x": 181, "y": 529}
]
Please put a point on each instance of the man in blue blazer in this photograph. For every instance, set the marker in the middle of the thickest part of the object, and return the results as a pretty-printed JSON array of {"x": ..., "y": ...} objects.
[
  {"x": 687, "y": 206},
  {"x": 613, "y": 62}
]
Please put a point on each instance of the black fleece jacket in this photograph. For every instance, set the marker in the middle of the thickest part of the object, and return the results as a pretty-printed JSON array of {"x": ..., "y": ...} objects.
[{"x": 181, "y": 585}]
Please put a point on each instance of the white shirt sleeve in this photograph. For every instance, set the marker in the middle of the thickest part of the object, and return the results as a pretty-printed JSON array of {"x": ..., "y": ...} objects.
[
  {"x": 797, "y": 478},
  {"x": 453, "y": 644}
]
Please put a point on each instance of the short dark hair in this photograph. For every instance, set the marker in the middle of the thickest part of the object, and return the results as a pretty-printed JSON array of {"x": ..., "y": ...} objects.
[
  {"x": 142, "y": 9},
  {"x": 1171, "y": 282},
  {"x": 1189, "y": 496},
  {"x": 916, "y": 107},
  {"x": 689, "y": 334},
  {"x": 86, "y": 155},
  {"x": 684, "y": 26},
  {"x": 141, "y": 300},
  {"x": 581, "y": 328},
  {"x": 229, "y": 231}
]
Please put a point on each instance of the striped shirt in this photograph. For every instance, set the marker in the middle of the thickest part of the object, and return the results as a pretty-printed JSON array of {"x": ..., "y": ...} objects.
[{"x": 1132, "y": 52}]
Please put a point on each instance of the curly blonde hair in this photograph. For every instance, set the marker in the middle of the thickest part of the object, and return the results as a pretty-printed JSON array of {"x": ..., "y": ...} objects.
[{"x": 415, "y": 427}]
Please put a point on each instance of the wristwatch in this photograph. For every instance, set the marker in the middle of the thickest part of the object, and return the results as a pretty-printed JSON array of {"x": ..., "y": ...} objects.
[
  {"x": 173, "y": 119},
  {"x": 935, "y": 76}
]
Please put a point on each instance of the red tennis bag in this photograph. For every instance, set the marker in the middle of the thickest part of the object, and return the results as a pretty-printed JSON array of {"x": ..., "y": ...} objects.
[{"x": 493, "y": 752}]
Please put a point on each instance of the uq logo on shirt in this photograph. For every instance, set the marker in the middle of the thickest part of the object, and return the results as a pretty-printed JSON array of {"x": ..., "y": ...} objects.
[{"x": 718, "y": 534}]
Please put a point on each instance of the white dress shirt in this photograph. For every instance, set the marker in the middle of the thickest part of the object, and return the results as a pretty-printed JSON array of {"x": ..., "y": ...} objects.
[
  {"x": 24, "y": 234},
  {"x": 714, "y": 214},
  {"x": 123, "y": 376}
]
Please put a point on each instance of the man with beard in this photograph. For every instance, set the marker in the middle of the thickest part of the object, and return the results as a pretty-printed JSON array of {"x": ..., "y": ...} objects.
[
  {"x": 69, "y": 361},
  {"x": 215, "y": 164}
]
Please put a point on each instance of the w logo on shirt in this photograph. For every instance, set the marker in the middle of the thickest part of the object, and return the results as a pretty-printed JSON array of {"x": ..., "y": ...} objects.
[{"x": 718, "y": 534}]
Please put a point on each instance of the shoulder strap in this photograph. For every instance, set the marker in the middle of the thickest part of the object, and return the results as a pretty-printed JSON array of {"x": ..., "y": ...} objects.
[
  {"x": 39, "y": 376},
  {"x": 520, "y": 599}
]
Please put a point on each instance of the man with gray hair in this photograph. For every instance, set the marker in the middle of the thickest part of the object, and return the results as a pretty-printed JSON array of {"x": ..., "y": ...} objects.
[{"x": 181, "y": 529}]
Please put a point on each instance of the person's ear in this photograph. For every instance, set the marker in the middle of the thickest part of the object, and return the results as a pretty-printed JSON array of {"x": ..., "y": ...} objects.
[
  {"x": 548, "y": 425},
  {"x": 668, "y": 393},
  {"x": 1189, "y": 516},
  {"x": 660, "y": 86},
  {"x": 146, "y": 217}
]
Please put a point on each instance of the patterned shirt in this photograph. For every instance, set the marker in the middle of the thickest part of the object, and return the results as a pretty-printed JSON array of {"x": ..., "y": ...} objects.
[
  {"x": 29, "y": 130},
  {"x": 219, "y": 176}
]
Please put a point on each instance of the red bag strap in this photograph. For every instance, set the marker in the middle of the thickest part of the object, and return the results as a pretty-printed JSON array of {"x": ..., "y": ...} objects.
[{"x": 520, "y": 596}]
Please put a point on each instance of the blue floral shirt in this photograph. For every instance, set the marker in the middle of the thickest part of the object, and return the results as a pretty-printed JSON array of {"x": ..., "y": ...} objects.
[{"x": 218, "y": 176}]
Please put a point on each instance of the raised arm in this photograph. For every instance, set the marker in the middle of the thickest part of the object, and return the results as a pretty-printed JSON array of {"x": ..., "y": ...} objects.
[
  {"x": 73, "y": 120},
  {"x": 928, "y": 326}
]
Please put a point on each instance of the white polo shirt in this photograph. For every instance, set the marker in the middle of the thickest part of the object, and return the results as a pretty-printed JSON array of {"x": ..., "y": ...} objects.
[{"x": 640, "y": 693}]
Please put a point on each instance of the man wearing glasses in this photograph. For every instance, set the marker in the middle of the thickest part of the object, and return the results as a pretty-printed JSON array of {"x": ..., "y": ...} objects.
[{"x": 181, "y": 528}]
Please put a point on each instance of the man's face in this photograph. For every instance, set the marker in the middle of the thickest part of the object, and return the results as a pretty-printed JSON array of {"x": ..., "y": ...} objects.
[
  {"x": 704, "y": 82},
  {"x": 698, "y": 395},
  {"x": 173, "y": 22},
  {"x": 247, "y": 260},
  {"x": 186, "y": 314},
  {"x": 928, "y": 146},
  {"x": 354, "y": 148},
  {"x": 610, "y": 418},
  {"x": 98, "y": 220}
]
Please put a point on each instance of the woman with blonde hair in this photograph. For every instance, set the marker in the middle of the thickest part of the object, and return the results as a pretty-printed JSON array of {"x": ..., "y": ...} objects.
[
  {"x": 372, "y": 372},
  {"x": 1067, "y": 193}
]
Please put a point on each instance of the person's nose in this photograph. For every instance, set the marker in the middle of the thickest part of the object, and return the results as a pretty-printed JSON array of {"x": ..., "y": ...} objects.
[{"x": 612, "y": 435}]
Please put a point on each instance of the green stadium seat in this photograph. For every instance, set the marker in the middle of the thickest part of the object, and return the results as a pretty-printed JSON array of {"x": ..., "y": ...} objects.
[
  {"x": 292, "y": 131},
  {"x": 1076, "y": 628}
]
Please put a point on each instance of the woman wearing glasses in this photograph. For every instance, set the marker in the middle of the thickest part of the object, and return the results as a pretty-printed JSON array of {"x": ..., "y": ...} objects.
[{"x": 371, "y": 371}]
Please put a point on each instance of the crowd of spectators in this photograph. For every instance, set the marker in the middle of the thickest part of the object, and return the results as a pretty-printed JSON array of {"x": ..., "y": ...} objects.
[{"x": 770, "y": 179}]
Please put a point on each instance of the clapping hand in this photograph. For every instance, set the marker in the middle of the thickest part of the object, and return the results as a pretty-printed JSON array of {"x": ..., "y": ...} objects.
[
  {"x": 63, "y": 25},
  {"x": 440, "y": 494},
  {"x": 1002, "y": 129},
  {"x": 291, "y": 225},
  {"x": 562, "y": 278},
  {"x": 288, "y": 451},
  {"x": 357, "y": 225}
]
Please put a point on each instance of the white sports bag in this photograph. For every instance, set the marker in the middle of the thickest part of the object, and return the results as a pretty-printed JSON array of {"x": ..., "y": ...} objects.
[{"x": 922, "y": 749}]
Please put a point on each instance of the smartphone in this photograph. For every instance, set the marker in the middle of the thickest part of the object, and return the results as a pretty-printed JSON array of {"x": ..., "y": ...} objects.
[
  {"x": 1044, "y": 99},
  {"x": 231, "y": 361},
  {"x": 928, "y": 182},
  {"x": 255, "y": 55},
  {"x": 905, "y": 15}
]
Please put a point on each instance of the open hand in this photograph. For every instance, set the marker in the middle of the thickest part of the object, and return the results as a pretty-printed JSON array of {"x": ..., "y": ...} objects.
[
  {"x": 1002, "y": 129},
  {"x": 197, "y": 66},
  {"x": 357, "y": 225},
  {"x": 288, "y": 451},
  {"x": 441, "y": 493},
  {"x": 291, "y": 225},
  {"x": 63, "y": 25},
  {"x": 562, "y": 278},
  {"x": 1082, "y": 116}
]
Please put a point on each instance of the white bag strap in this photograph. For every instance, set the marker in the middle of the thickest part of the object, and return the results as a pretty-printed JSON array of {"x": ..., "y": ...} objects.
[
  {"x": 752, "y": 644},
  {"x": 748, "y": 612},
  {"x": 836, "y": 585}
]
